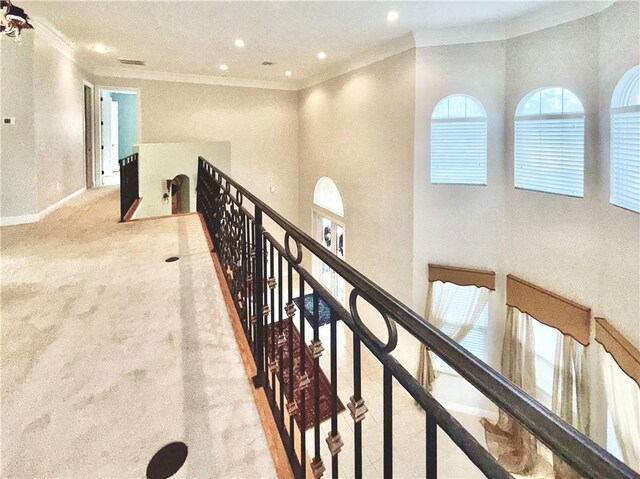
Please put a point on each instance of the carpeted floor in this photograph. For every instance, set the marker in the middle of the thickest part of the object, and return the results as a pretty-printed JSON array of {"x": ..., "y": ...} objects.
[{"x": 109, "y": 353}]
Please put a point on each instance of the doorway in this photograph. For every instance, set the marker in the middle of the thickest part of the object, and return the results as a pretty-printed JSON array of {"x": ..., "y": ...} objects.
[
  {"x": 180, "y": 195},
  {"x": 329, "y": 231},
  {"x": 119, "y": 124}
]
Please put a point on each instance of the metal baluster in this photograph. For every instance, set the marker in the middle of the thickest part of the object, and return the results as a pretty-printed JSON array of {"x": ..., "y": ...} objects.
[
  {"x": 432, "y": 451},
  {"x": 292, "y": 402},
  {"x": 317, "y": 466},
  {"x": 301, "y": 386},
  {"x": 258, "y": 283},
  {"x": 272, "y": 288},
  {"x": 387, "y": 391},
  {"x": 335, "y": 440},
  {"x": 356, "y": 398},
  {"x": 280, "y": 337}
]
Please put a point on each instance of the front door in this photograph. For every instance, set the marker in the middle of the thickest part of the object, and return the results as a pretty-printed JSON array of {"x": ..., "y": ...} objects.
[{"x": 330, "y": 233}]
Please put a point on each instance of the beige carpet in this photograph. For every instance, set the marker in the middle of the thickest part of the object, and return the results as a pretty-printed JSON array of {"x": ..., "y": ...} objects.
[{"x": 109, "y": 353}]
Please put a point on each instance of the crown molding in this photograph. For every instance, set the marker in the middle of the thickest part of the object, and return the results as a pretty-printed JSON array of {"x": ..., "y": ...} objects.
[
  {"x": 487, "y": 32},
  {"x": 551, "y": 15},
  {"x": 193, "y": 78},
  {"x": 554, "y": 14},
  {"x": 362, "y": 59},
  {"x": 56, "y": 38}
]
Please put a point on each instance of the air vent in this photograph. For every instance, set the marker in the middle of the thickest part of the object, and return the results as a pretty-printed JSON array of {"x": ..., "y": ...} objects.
[
  {"x": 126, "y": 61},
  {"x": 267, "y": 64}
]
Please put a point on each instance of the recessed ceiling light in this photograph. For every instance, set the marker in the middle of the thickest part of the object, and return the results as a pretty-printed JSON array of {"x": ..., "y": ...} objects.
[
  {"x": 322, "y": 55},
  {"x": 239, "y": 43},
  {"x": 224, "y": 67},
  {"x": 288, "y": 74},
  {"x": 100, "y": 48},
  {"x": 392, "y": 16}
]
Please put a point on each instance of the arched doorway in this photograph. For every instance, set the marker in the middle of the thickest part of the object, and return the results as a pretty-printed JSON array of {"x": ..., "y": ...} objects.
[
  {"x": 329, "y": 231},
  {"x": 180, "y": 195}
]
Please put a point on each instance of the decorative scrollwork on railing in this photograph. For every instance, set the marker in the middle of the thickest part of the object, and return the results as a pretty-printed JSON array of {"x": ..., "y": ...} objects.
[
  {"x": 392, "y": 340},
  {"x": 298, "y": 256}
]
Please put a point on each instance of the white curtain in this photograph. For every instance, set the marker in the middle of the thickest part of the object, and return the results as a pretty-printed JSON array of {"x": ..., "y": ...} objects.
[
  {"x": 570, "y": 395},
  {"x": 623, "y": 399},
  {"x": 508, "y": 441},
  {"x": 441, "y": 298}
]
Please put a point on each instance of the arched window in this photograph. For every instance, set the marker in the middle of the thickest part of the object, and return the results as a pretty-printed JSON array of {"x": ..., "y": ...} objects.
[
  {"x": 549, "y": 142},
  {"x": 327, "y": 196},
  {"x": 459, "y": 141},
  {"x": 625, "y": 142}
]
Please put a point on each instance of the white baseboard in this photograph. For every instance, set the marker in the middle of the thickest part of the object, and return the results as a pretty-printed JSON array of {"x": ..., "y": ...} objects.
[
  {"x": 469, "y": 410},
  {"x": 34, "y": 218}
]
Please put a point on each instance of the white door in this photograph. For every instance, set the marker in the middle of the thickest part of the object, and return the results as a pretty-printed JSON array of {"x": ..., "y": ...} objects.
[
  {"x": 330, "y": 234},
  {"x": 115, "y": 166},
  {"x": 105, "y": 134}
]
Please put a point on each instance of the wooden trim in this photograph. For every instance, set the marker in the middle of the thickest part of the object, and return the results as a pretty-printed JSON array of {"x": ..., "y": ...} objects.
[
  {"x": 560, "y": 313},
  {"x": 278, "y": 453},
  {"x": 625, "y": 354},
  {"x": 132, "y": 210},
  {"x": 463, "y": 276}
]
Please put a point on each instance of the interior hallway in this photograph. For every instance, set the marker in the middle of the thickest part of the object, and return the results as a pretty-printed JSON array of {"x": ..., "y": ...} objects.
[{"x": 109, "y": 352}]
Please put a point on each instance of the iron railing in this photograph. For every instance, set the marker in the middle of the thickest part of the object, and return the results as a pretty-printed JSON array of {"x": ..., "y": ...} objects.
[
  {"x": 128, "y": 183},
  {"x": 256, "y": 266}
]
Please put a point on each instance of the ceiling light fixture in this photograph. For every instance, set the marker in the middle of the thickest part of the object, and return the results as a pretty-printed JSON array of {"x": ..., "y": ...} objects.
[
  {"x": 392, "y": 16},
  {"x": 224, "y": 67},
  {"x": 239, "y": 43},
  {"x": 288, "y": 74},
  {"x": 100, "y": 48},
  {"x": 13, "y": 20},
  {"x": 322, "y": 55}
]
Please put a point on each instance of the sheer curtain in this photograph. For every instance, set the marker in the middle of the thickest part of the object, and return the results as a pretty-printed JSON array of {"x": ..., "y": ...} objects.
[
  {"x": 623, "y": 398},
  {"x": 440, "y": 299},
  {"x": 570, "y": 397},
  {"x": 509, "y": 442}
]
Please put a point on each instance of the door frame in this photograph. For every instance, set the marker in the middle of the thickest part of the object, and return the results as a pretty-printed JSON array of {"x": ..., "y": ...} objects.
[
  {"x": 98, "y": 89},
  {"x": 89, "y": 168}
]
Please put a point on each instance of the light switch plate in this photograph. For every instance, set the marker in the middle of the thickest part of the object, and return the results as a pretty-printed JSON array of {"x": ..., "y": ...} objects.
[{"x": 8, "y": 121}]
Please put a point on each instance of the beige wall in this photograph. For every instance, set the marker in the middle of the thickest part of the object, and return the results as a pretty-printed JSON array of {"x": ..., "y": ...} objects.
[
  {"x": 357, "y": 129},
  {"x": 261, "y": 125},
  {"x": 18, "y": 191},
  {"x": 43, "y": 153},
  {"x": 58, "y": 122}
]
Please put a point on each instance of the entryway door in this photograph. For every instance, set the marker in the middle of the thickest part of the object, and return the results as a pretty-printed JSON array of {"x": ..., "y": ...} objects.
[{"x": 330, "y": 233}]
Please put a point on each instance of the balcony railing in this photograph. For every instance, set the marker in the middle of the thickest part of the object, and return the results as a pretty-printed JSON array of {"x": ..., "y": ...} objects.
[
  {"x": 128, "y": 184},
  {"x": 259, "y": 272}
]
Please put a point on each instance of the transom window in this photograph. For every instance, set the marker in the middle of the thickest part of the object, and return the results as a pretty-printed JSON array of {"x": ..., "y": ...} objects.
[
  {"x": 625, "y": 142},
  {"x": 549, "y": 142},
  {"x": 459, "y": 141}
]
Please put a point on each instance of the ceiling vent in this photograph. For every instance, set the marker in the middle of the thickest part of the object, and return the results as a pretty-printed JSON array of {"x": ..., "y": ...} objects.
[
  {"x": 126, "y": 61},
  {"x": 267, "y": 64}
]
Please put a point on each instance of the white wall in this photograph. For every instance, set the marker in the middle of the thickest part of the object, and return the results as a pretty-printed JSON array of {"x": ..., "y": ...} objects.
[
  {"x": 43, "y": 153},
  {"x": 261, "y": 126},
  {"x": 158, "y": 162}
]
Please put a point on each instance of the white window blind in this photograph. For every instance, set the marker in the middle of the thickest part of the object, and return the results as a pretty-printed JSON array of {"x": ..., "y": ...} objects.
[
  {"x": 459, "y": 141},
  {"x": 625, "y": 142},
  {"x": 549, "y": 143},
  {"x": 476, "y": 340}
]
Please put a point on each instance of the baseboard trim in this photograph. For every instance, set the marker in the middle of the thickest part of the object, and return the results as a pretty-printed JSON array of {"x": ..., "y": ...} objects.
[{"x": 34, "y": 218}]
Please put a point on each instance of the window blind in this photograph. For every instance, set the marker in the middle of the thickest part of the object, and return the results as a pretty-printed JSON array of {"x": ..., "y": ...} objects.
[
  {"x": 459, "y": 152},
  {"x": 625, "y": 160},
  {"x": 549, "y": 155}
]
